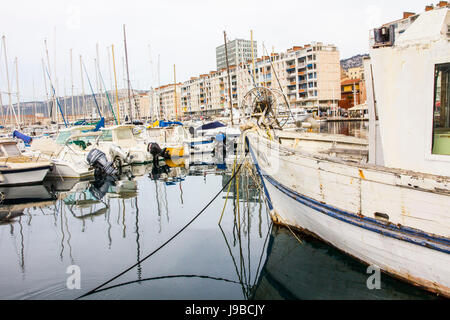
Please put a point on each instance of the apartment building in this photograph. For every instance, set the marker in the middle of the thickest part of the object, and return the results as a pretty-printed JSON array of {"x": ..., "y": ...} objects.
[
  {"x": 208, "y": 93},
  {"x": 313, "y": 76},
  {"x": 355, "y": 73},
  {"x": 239, "y": 50},
  {"x": 309, "y": 76},
  {"x": 140, "y": 106},
  {"x": 165, "y": 102}
]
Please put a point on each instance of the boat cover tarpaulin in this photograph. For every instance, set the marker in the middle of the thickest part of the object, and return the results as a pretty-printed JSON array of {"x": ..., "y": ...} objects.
[
  {"x": 211, "y": 125},
  {"x": 23, "y": 137},
  {"x": 100, "y": 124},
  {"x": 163, "y": 124}
]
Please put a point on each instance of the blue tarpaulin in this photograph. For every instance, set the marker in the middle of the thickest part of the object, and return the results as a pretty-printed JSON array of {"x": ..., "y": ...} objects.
[
  {"x": 100, "y": 124},
  {"x": 163, "y": 124},
  {"x": 23, "y": 137}
]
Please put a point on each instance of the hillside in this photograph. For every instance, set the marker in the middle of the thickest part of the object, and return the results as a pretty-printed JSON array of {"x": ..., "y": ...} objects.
[{"x": 352, "y": 62}]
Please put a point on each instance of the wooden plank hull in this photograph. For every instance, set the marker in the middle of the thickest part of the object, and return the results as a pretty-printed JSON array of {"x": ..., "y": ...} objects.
[{"x": 396, "y": 221}]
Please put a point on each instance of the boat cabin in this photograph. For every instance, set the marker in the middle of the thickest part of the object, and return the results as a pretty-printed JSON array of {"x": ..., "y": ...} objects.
[
  {"x": 408, "y": 93},
  {"x": 9, "y": 149},
  {"x": 65, "y": 134},
  {"x": 121, "y": 135}
]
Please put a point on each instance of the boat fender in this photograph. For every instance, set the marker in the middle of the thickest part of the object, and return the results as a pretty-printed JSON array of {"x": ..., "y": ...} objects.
[{"x": 220, "y": 137}]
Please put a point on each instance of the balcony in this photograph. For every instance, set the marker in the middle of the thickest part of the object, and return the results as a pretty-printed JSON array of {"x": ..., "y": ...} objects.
[{"x": 290, "y": 68}]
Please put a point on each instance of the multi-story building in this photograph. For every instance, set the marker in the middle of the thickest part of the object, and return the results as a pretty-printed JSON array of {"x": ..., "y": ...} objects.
[
  {"x": 165, "y": 102},
  {"x": 313, "y": 76},
  {"x": 353, "y": 93},
  {"x": 308, "y": 75},
  {"x": 239, "y": 50},
  {"x": 140, "y": 106},
  {"x": 355, "y": 72}
]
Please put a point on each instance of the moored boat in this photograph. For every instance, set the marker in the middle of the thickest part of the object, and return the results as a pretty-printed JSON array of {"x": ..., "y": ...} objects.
[
  {"x": 391, "y": 210},
  {"x": 18, "y": 169}
]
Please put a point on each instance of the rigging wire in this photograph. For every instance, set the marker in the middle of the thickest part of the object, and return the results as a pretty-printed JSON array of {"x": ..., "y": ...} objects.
[
  {"x": 93, "y": 94},
  {"x": 173, "y": 237},
  {"x": 166, "y": 277},
  {"x": 107, "y": 96}
]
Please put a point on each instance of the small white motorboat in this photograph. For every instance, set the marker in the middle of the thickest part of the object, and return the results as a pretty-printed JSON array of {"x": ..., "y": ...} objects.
[{"x": 18, "y": 169}]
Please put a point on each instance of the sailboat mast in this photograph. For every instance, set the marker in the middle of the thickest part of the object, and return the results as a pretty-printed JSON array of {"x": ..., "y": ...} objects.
[
  {"x": 9, "y": 85},
  {"x": 128, "y": 74},
  {"x": 228, "y": 76},
  {"x": 50, "y": 79},
  {"x": 159, "y": 85},
  {"x": 253, "y": 57},
  {"x": 1, "y": 109},
  {"x": 18, "y": 93},
  {"x": 71, "y": 80},
  {"x": 46, "y": 89},
  {"x": 56, "y": 87},
  {"x": 82, "y": 88},
  {"x": 34, "y": 99},
  {"x": 115, "y": 80},
  {"x": 99, "y": 83},
  {"x": 175, "y": 92},
  {"x": 65, "y": 100},
  {"x": 111, "y": 86}
]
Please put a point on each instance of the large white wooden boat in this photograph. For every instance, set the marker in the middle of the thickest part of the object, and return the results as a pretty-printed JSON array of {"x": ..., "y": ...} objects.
[
  {"x": 392, "y": 211},
  {"x": 18, "y": 169}
]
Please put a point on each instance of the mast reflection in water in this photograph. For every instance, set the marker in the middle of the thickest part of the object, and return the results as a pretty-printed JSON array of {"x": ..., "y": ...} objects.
[{"x": 108, "y": 225}]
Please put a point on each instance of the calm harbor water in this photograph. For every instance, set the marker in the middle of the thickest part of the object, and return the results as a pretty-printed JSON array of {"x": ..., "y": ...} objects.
[
  {"x": 104, "y": 228},
  {"x": 357, "y": 129}
]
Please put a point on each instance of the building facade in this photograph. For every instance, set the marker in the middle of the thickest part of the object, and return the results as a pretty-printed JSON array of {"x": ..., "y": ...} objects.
[
  {"x": 165, "y": 102},
  {"x": 239, "y": 50},
  {"x": 309, "y": 76},
  {"x": 139, "y": 109}
]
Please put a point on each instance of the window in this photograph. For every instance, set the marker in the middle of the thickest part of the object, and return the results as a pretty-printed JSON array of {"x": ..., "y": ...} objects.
[
  {"x": 441, "y": 110},
  {"x": 11, "y": 150},
  {"x": 124, "y": 134},
  {"x": 107, "y": 135},
  {"x": 62, "y": 137}
]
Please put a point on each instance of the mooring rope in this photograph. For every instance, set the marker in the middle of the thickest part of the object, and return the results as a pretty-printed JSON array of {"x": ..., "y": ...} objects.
[{"x": 173, "y": 237}]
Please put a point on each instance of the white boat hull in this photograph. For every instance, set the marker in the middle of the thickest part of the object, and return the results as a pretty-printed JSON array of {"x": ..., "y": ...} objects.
[
  {"x": 66, "y": 170},
  {"x": 311, "y": 195},
  {"x": 24, "y": 176}
]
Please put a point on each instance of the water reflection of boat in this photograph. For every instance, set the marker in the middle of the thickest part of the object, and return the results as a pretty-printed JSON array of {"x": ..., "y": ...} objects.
[
  {"x": 82, "y": 202},
  {"x": 314, "y": 270},
  {"x": 24, "y": 194},
  {"x": 14, "y": 200}
]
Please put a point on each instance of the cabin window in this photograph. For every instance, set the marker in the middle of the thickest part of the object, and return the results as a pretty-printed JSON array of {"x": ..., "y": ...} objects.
[
  {"x": 107, "y": 135},
  {"x": 124, "y": 134},
  {"x": 11, "y": 150},
  {"x": 441, "y": 110},
  {"x": 62, "y": 137}
]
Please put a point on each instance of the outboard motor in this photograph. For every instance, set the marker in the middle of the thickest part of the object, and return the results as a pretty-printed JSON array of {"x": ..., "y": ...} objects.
[
  {"x": 192, "y": 131},
  {"x": 98, "y": 161},
  {"x": 156, "y": 151}
]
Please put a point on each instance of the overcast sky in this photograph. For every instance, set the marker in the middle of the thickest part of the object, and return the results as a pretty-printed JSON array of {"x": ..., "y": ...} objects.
[{"x": 184, "y": 33}]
